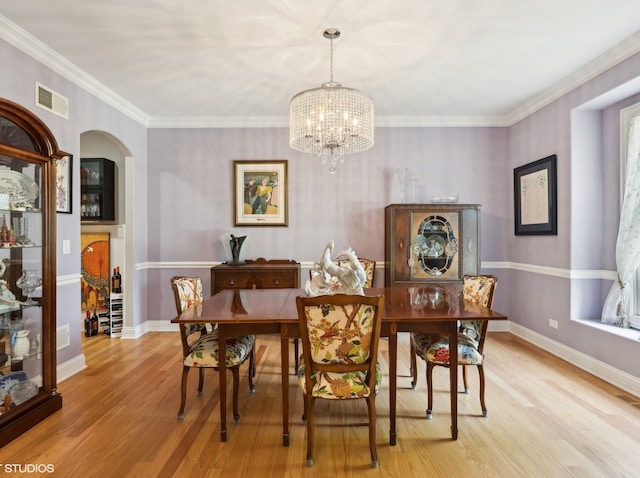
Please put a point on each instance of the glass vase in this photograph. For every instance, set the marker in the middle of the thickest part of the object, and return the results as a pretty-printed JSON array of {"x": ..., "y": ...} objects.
[{"x": 29, "y": 282}]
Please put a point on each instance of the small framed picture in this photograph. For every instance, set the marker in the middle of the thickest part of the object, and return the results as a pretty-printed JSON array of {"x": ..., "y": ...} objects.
[
  {"x": 260, "y": 193},
  {"x": 64, "y": 173},
  {"x": 535, "y": 196}
]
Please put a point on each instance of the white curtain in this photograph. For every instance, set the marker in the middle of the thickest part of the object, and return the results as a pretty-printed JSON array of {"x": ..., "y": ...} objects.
[{"x": 628, "y": 242}]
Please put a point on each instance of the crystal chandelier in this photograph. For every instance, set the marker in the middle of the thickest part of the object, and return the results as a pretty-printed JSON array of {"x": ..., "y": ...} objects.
[{"x": 331, "y": 121}]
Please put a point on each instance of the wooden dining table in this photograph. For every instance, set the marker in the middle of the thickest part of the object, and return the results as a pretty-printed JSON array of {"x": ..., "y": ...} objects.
[{"x": 273, "y": 311}]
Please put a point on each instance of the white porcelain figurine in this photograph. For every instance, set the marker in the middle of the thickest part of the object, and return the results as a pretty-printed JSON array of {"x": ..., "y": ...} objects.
[{"x": 329, "y": 277}]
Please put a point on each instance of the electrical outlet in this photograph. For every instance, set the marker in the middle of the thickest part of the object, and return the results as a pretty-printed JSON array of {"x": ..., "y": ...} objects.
[{"x": 553, "y": 323}]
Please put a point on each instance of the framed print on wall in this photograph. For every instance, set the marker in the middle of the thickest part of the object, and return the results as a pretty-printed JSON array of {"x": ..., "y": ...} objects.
[
  {"x": 63, "y": 184},
  {"x": 95, "y": 267},
  {"x": 535, "y": 196},
  {"x": 260, "y": 193}
]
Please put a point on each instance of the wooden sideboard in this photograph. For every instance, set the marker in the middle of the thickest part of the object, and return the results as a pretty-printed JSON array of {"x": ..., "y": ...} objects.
[{"x": 256, "y": 274}]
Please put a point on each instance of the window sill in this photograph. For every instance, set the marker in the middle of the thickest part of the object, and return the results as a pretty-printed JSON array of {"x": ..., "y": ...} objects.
[{"x": 631, "y": 334}]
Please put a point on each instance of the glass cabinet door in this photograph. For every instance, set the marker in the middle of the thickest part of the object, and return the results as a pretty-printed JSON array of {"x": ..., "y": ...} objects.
[
  {"x": 97, "y": 190},
  {"x": 21, "y": 261},
  {"x": 28, "y": 158}
]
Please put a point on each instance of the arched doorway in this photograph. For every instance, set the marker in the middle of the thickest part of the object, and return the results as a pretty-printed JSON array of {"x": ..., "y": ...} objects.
[{"x": 100, "y": 144}]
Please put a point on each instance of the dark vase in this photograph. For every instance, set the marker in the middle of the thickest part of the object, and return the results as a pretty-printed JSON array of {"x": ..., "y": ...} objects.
[{"x": 236, "y": 245}]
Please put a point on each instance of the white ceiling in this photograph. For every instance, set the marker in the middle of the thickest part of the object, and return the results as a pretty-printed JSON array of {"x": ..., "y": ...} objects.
[{"x": 240, "y": 62}]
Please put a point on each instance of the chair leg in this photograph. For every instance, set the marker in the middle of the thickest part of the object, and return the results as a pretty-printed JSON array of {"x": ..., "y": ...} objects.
[
  {"x": 482, "y": 404},
  {"x": 309, "y": 405},
  {"x": 253, "y": 361},
  {"x": 414, "y": 364},
  {"x": 183, "y": 391},
  {"x": 371, "y": 405},
  {"x": 429, "y": 374},
  {"x": 252, "y": 370},
  {"x": 236, "y": 387},
  {"x": 201, "y": 381},
  {"x": 304, "y": 409},
  {"x": 295, "y": 355},
  {"x": 464, "y": 379}
]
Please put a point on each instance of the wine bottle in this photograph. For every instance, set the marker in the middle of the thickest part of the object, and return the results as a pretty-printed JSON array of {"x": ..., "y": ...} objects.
[
  {"x": 113, "y": 281},
  {"x": 116, "y": 281},
  {"x": 87, "y": 325},
  {"x": 94, "y": 323},
  {"x": 119, "y": 279}
]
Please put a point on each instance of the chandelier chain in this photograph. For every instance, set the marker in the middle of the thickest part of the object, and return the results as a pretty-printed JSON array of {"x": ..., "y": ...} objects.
[{"x": 331, "y": 62}]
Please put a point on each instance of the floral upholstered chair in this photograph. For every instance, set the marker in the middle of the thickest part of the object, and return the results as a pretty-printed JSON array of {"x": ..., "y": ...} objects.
[
  {"x": 434, "y": 348},
  {"x": 340, "y": 335},
  {"x": 369, "y": 267},
  {"x": 200, "y": 346}
]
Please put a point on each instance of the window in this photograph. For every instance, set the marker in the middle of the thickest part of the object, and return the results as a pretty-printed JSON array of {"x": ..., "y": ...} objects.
[{"x": 625, "y": 122}]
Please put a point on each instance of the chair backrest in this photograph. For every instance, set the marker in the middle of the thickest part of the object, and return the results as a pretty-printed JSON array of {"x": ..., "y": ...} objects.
[
  {"x": 340, "y": 333},
  {"x": 187, "y": 292},
  {"x": 369, "y": 267},
  {"x": 479, "y": 289}
]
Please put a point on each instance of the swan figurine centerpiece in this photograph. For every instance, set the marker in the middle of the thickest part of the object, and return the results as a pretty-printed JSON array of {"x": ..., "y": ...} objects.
[{"x": 343, "y": 274}]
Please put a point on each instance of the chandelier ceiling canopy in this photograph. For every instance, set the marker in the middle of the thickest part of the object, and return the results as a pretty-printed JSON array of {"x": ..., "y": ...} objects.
[{"x": 331, "y": 121}]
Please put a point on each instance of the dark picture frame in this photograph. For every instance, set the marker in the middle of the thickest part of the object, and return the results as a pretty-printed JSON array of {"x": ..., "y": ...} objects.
[
  {"x": 64, "y": 185},
  {"x": 535, "y": 197},
  {"x": 261, "y": 194}
]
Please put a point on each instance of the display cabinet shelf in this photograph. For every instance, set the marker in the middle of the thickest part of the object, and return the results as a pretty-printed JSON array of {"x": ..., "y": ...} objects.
[
  {"x": 116, "y": 314},
  {"x": 28, "y": 157}
]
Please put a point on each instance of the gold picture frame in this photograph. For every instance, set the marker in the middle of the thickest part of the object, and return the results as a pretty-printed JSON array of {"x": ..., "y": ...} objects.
[{"x": 261, "y": 192}]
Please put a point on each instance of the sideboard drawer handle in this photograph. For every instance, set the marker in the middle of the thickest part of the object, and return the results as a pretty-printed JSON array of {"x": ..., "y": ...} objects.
[
  {"x": 277, "y": 281},
  {"x": 231, "y": 282}
]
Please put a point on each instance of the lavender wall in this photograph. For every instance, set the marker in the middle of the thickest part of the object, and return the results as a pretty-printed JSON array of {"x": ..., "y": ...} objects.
[
  {"x": 86, "y": 113},
  {"x": 191, "y": 197},
  {"x": 588, "y": 198},
  {"x": 183, "y": 203},
  {"x": 191, "y": 178}
]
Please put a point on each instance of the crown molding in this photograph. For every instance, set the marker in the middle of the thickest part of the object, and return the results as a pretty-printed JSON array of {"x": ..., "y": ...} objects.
[
  {"x": 440, "y": 121},
  {"x": 19, "y": 38},
  {"x": 220, "y": 122},
  {"x": 283, "y": 122},
  {"x": 31, "y": 46},
  {"x": 612, "y": 57}
]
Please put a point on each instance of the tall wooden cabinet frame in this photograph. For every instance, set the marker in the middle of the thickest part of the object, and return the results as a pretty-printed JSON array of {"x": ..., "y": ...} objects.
[{"x": 28, "y": 157}]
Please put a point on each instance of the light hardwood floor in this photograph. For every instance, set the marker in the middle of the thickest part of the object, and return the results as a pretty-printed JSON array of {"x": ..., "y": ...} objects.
[{"x": 546, "y": 419}]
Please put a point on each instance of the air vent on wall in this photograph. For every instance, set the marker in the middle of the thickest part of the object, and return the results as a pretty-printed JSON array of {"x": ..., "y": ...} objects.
[{"x": 51, "y": 101}]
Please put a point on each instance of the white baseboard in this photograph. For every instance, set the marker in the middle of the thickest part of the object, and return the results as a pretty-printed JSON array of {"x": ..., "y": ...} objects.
[
  {"x": 606, "y": 372},
  {"x": 162, "y": 326},
  {"x": 71, "y": 367},
  {"x": 135, "y": 332}
]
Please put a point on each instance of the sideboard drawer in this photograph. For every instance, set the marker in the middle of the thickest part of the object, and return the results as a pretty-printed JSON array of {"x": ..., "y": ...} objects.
[
  {"x": 259, "y": 274},
  {"x": 251, "y": 280}
]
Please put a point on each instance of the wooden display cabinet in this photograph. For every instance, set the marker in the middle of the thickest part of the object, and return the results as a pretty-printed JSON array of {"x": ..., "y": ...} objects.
[
  {"x": 258, "y": 274},
  {"x": 97, "y": 190},
  {"x": 434, "y": 243},
  {"x": 28, "y": 187}
]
